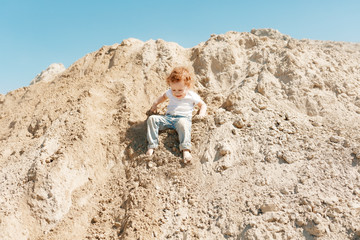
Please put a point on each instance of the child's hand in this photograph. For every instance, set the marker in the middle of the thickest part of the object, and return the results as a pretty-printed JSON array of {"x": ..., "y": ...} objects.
[
  {"x": 153, "y": 108},
  {"x": 199, "y": 117},
  {"x": 150, "y": 112}
]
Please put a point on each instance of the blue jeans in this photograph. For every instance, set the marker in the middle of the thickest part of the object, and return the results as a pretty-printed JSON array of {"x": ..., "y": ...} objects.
[{"x": 159, "y": 122}]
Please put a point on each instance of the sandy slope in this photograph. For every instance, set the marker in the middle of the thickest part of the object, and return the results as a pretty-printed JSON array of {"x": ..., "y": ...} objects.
[{"x": 277, "y": 157}]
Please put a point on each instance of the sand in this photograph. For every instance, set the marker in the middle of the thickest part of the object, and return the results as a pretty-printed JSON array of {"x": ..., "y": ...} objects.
[{"x": 276, "y": 157}]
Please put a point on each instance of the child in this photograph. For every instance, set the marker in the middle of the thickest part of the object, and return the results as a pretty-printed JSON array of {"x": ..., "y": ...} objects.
[{"x": 179, "y": 112}]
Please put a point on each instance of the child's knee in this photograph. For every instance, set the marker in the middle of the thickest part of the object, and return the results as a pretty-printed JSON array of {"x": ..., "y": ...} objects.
[
  {"x": 151, "y": 119},
  {"x": 183, "y": 124}
]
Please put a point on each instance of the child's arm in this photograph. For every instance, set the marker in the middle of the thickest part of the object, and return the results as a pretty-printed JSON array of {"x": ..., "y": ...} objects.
[
  {"x": 159, "y": 100},
  {"x": 203, "y": 108}
]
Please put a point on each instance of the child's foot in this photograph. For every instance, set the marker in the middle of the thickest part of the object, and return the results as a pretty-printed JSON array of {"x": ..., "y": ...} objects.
[
  {"x": 150, "y": 151},
  {"x": 187, "y": 156}
]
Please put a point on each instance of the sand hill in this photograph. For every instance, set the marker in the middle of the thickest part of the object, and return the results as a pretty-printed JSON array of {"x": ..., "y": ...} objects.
[{"x": 277, "y": 157}]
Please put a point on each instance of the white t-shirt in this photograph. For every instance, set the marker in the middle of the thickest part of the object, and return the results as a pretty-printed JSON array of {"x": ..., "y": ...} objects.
[{"x": 184, "y": 106}]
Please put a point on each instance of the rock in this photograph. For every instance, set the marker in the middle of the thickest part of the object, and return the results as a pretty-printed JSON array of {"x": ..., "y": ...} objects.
[
  {"x": 288, "y": 157},
  {"x": 94, "y": 220},
  {"x": 269, "y": 207},
  {"x": 312, "y": 107},
  {"x": 255, "y": 109},
  {"x": 2, "y": 98},
  {"x": 224, "y": 152},
  {"x": 300, "y": 221},
  {"x": 268, "y": 85},
  {"x": 224, "y": 149},
  {"x": 356, "y": 152},
  {"x": 356, "y": 192},
  {"x": 346, "y": 143},
  {"x": 219, "y": 120},
  {"x": 239, "y": 123},
  {"x": 151, "y": 164},
  {"x": 290, "y": 44},
  {"x": 271, "y": 217},
  {"x": 284, "y": 191},
  {"x": 317, "y": 230},
  {"x": 117, "y": 224},
  {"x": 337, "y": 209},
  {"x": 49, "y": 73},
  {"x": 334, "y": 139}
]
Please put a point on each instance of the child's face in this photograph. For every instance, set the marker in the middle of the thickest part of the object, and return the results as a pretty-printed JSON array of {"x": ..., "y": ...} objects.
[{"x": 179, "y": 89}]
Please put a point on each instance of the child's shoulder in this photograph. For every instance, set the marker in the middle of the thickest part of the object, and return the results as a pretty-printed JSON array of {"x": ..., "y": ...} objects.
[
  {"x": 168, "y": 92},
  {"x": 193, "y": 93},
  {"x": 196, "y": 97}
]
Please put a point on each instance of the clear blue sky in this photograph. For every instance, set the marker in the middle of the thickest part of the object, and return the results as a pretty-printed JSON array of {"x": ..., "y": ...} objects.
[{"x": 36, "y": 33}]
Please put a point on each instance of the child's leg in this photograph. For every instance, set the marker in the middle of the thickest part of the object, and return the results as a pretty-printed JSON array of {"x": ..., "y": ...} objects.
[
  {"x": 154, "y": 124},
  {"x": 150, "y": 151},
  {"x": 186, "y": 156},
  {"x": 183, "y": 127}
]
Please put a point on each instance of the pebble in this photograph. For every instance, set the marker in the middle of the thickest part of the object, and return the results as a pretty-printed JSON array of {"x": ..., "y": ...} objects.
[
  {"x": 316, "y": 230},
  {"x": 219, "y": 120},
  {"x": 334, "y": 139},
  {"x": 315, "y": 124},
  {"x": 117, "y": 224},
  {"x": 291, "y": 44},
  {"x": 356, "y": 192},
  {"x": 287, "y": 157},
  {"x": 300, "y": 222},
  {"x": 224, "y": 151},
  {"x": 337, "y": 209},
  {"x": 317, "y": 220},
  {"x": 346, "y": 144},
  {"x": 253, "y": 223},
  {"x": 94, "y": 220},
  {"x": 269, "y": 207},
  {"x": 239, "y": 123},
  {"x": 255, "y": 109},
  {"x": 271, "y": 217},
  {"x": 356, "y": 152},
  {"x": 284, "y": 191},
  {"x": 151, "y": 164}
]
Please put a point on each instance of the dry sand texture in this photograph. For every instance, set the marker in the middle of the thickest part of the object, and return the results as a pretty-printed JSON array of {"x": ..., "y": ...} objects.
[{"x": 277, "y": 157}]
